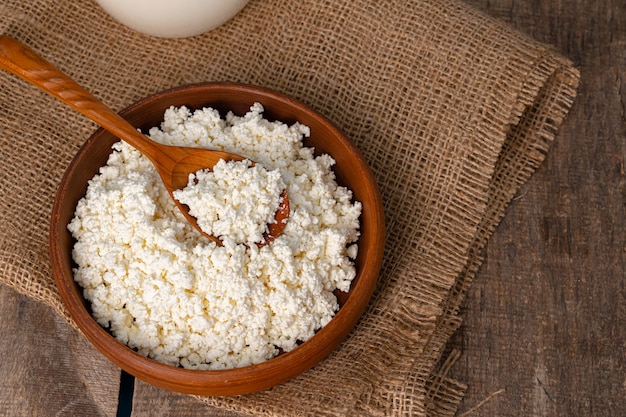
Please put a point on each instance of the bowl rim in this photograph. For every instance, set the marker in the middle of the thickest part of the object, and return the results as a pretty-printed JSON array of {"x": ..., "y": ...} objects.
[{"x": 234, "y": 381}]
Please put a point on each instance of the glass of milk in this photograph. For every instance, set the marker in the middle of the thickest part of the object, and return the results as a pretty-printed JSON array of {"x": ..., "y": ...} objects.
[{"x": 172, "y": 18}]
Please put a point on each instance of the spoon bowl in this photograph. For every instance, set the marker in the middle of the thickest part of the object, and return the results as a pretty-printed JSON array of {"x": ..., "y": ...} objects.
[{"x": 173, "y": 163}]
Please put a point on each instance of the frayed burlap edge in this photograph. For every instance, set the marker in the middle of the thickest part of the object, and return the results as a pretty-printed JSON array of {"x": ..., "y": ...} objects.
[{"x": 549, "y": 103}]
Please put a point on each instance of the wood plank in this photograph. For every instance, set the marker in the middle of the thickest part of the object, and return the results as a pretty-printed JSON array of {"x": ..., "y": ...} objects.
[{"x": 544, "y": 319}]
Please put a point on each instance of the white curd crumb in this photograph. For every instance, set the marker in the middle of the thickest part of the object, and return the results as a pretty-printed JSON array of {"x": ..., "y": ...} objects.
[
  {"x": 175, "y": 296},
  {"x": 235, "y": 199}
]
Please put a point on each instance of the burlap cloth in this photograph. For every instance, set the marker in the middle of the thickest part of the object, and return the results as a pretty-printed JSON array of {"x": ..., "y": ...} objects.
[{"x": 452, "y": 109}]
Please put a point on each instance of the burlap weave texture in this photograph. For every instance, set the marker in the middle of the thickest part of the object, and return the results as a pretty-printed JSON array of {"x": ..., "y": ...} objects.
[{"x": 453, "y": 110}]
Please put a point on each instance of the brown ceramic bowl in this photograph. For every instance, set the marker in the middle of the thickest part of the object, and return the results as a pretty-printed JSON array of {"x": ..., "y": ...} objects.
[{"x": 351, "y": 170}]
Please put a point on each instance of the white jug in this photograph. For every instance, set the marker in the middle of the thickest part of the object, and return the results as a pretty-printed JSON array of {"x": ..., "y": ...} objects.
[{"x": 172, "y": 18}]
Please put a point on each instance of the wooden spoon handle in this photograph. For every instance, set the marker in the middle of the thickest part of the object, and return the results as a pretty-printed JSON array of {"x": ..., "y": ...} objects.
[{"x": 20, "y": 60}]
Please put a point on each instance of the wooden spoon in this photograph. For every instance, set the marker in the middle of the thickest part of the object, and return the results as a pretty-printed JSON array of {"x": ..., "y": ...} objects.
[{"x": 174, "y": 163}]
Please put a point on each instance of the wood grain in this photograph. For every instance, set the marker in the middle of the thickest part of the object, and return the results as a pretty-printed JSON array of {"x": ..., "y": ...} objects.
[{"x": 544, "y": 320}]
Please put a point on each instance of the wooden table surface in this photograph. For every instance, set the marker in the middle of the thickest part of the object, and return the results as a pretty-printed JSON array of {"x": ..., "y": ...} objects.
[
  {"x": 544, "y": 331},
  {"x": 544, "y": 323}
]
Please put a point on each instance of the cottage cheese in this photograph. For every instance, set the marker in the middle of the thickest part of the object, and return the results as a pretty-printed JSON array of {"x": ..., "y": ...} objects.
[
  {"x": 234, "y": 200},
  {"x": 174, "y": 295}
]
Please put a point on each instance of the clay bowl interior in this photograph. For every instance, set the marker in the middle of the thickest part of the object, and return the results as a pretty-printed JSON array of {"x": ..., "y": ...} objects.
[{"x": 351, "y": 170}]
